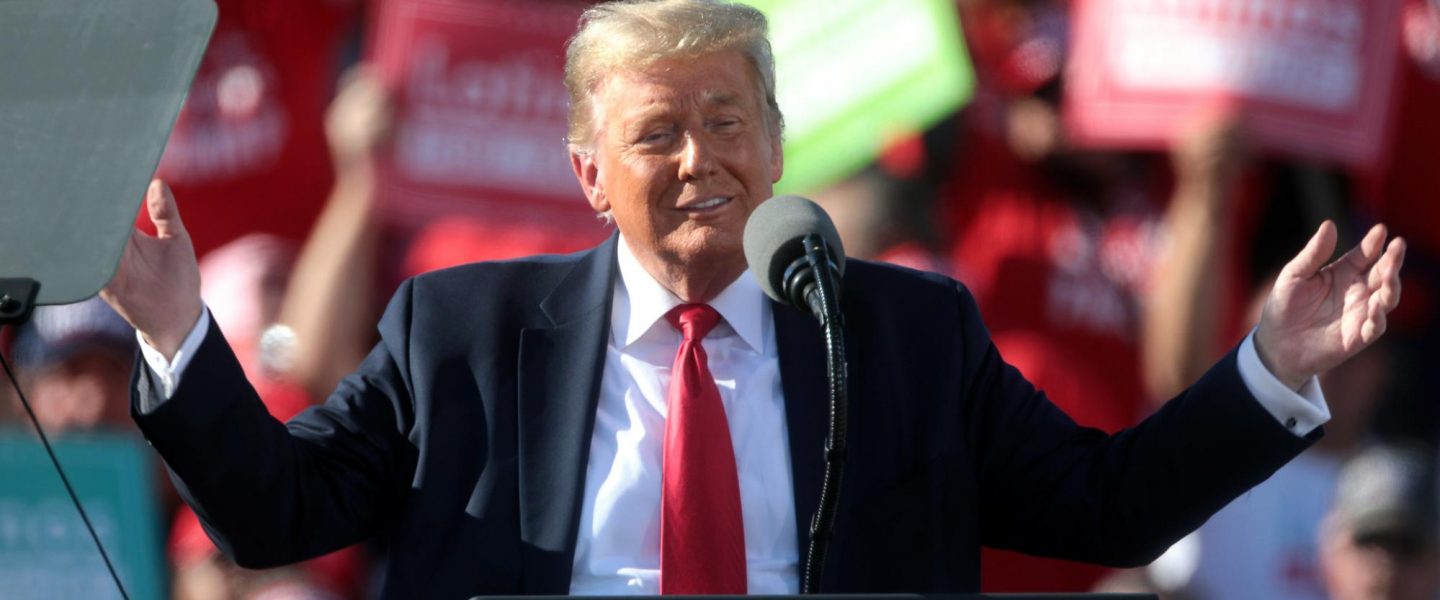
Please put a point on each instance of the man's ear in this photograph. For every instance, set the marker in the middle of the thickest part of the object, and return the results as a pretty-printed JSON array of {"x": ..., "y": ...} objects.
[
  {"x": 588, "y": 172},
  {"x": 777, "y": 158}
]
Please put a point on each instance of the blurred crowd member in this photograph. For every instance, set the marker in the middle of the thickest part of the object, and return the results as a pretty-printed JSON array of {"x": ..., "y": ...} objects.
[
  {"x": 883, "y": 215},
  {"x": 1263, "y": 545},
  {"x": 248, "y": 152},
  {"x": 243, "y": 284},
  {"x": 1403, "y": 188},
  {"x": 1381, "y": 540},
  {"x": 1403, "y": 191},
  {"x": 334, "y": 288},
  {"x": 73, "y": 362},
  {"x": 1056, "y": 242},
  {"x": 1184, "y": 328},
  {"x": 863, "y": 217}
]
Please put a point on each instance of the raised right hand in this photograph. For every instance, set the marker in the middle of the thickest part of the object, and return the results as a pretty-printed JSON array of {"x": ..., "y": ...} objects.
[
  {"x": 157, "y": 287},
  {"x": 359, "y": 121},
  {"x": 1209, "y": 155}
]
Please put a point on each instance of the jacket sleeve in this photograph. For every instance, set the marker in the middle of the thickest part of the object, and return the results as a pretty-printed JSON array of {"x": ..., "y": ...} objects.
[
  {"x": 1053, "y": 488},
  {"x": 272, "y": 493}
]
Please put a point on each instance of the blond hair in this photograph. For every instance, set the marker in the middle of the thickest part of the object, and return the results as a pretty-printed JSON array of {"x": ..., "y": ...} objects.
[{"x": 631, "y": 34}]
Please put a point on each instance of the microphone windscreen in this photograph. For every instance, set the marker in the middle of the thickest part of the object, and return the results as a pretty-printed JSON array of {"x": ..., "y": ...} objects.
[{"x": 773, "y": 234}]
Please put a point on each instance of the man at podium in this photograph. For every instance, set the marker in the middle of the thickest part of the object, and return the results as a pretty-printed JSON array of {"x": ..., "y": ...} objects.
[{"x": 638, "y": 418}]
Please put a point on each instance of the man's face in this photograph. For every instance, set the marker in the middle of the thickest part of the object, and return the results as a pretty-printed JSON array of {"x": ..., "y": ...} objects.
[
  {"x": 682, "y": 155},
  {"x": 87, "y": 390},
  {"x": 1378, "y": 569}
]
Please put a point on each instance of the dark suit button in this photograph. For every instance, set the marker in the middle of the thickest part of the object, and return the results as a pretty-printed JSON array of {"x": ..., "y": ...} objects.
[{"x": 1290, "y": 423}]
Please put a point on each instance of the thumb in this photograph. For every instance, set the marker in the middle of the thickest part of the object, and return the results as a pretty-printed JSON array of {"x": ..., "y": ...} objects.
[
  {"x": 160, "y": 204},
  {"x": 1316, "y": 253}
]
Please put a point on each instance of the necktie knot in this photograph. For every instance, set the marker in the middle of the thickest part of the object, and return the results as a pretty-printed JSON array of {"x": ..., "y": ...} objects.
[{"x": 693, "y": 320}]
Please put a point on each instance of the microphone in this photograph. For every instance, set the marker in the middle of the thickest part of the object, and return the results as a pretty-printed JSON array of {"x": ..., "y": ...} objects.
[
  {"x": 795, "y": 252},
  {"x": 793, "y": 249}
]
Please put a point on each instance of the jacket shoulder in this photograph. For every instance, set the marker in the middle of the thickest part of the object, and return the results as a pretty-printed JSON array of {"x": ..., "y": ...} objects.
[
  {"x": 875, "y": 280},
  {"x": 527, "y": 280},
  {"x": 486, "y": 296}
]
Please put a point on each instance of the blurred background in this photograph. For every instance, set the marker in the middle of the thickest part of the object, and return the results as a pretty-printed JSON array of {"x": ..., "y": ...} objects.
[{"x": 1117, "y": 181}]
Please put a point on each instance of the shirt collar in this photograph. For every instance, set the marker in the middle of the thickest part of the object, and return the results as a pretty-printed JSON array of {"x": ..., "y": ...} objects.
[{"x": 640, "y": 301}]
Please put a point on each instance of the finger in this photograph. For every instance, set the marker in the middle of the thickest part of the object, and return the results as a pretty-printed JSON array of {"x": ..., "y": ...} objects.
[
  {"x": 1386, "y": 274},
  {"x": 1375, "y": 322},
  {"x": 160, "y": 203},
  {"x": 1389, "y": 264},
  {"x": 112, "y": 294},
  {"x": 1315, "y": 254},
  {"x": 1363, "y": 255},
  {"x": 114, "y": 288}
]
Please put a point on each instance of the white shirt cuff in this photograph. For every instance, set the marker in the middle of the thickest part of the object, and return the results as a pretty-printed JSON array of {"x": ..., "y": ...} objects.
[
  {"x": 168, "y": 372},
  {"x": 1299, "y": 412}
]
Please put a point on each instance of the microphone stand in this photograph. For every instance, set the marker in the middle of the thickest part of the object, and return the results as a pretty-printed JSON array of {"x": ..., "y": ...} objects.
[{"x": 815, "y": 277}]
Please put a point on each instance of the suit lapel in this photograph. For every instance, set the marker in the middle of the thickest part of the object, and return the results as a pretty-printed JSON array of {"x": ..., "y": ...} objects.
[
  {"x": 560, "y": 369},
  {"x": 807, "y": 406},
  {"x": 806, "y": 386}
]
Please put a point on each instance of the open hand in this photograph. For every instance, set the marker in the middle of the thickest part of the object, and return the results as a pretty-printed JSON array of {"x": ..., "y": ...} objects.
[
  {"x": 1319, "y": 315},
  {"x": 157, "y": 287}
]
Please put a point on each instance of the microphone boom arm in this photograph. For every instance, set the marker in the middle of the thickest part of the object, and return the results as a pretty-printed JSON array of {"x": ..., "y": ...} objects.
[{"x": 821, "y": 294}]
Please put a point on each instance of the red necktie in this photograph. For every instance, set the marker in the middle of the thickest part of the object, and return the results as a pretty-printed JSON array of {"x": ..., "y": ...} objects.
[{"x": 702, "y": 535}]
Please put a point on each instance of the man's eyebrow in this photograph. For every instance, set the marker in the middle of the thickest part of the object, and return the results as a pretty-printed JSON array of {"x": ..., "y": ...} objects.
[
  {"x": 720, "y": 97},
  {"x": 644, "y": 119},
  {"x": 648, "y": 114}
]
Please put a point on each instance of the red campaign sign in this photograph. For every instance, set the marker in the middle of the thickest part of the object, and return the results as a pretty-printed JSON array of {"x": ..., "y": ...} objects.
[
  {"x": 1312, "y": 78},
  {"x": 481, "y": 117}
]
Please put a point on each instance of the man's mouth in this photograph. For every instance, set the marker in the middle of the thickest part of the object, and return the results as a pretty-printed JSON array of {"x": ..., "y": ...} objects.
[{"x": 707, "y": 204}]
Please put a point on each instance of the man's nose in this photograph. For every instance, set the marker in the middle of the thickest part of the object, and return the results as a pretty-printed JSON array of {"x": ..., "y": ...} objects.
[{"x": 696, "y": 158}]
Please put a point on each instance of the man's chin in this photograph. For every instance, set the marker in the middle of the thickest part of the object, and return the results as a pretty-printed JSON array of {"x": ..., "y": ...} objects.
[{"x": 709, "y": 250}]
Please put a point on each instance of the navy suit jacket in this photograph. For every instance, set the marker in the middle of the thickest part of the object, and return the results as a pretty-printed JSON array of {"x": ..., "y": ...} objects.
[{"x": 462, "y": 441}]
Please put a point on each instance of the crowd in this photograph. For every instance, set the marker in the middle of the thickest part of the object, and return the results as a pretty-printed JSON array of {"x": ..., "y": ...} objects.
[{"x": 1111, "y": 279}]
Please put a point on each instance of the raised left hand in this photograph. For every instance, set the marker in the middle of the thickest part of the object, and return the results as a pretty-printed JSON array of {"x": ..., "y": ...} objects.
[{"x": 1318, "y": 315}]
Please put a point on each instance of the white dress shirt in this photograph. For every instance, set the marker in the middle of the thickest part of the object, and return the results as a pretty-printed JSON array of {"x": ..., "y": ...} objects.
[{"x": 618, "y": 547}]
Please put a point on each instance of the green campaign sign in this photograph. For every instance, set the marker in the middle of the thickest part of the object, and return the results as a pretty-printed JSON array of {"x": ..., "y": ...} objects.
[
  {"x": 45, "y": 551},
  {"x": 851, "y": 73}
]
